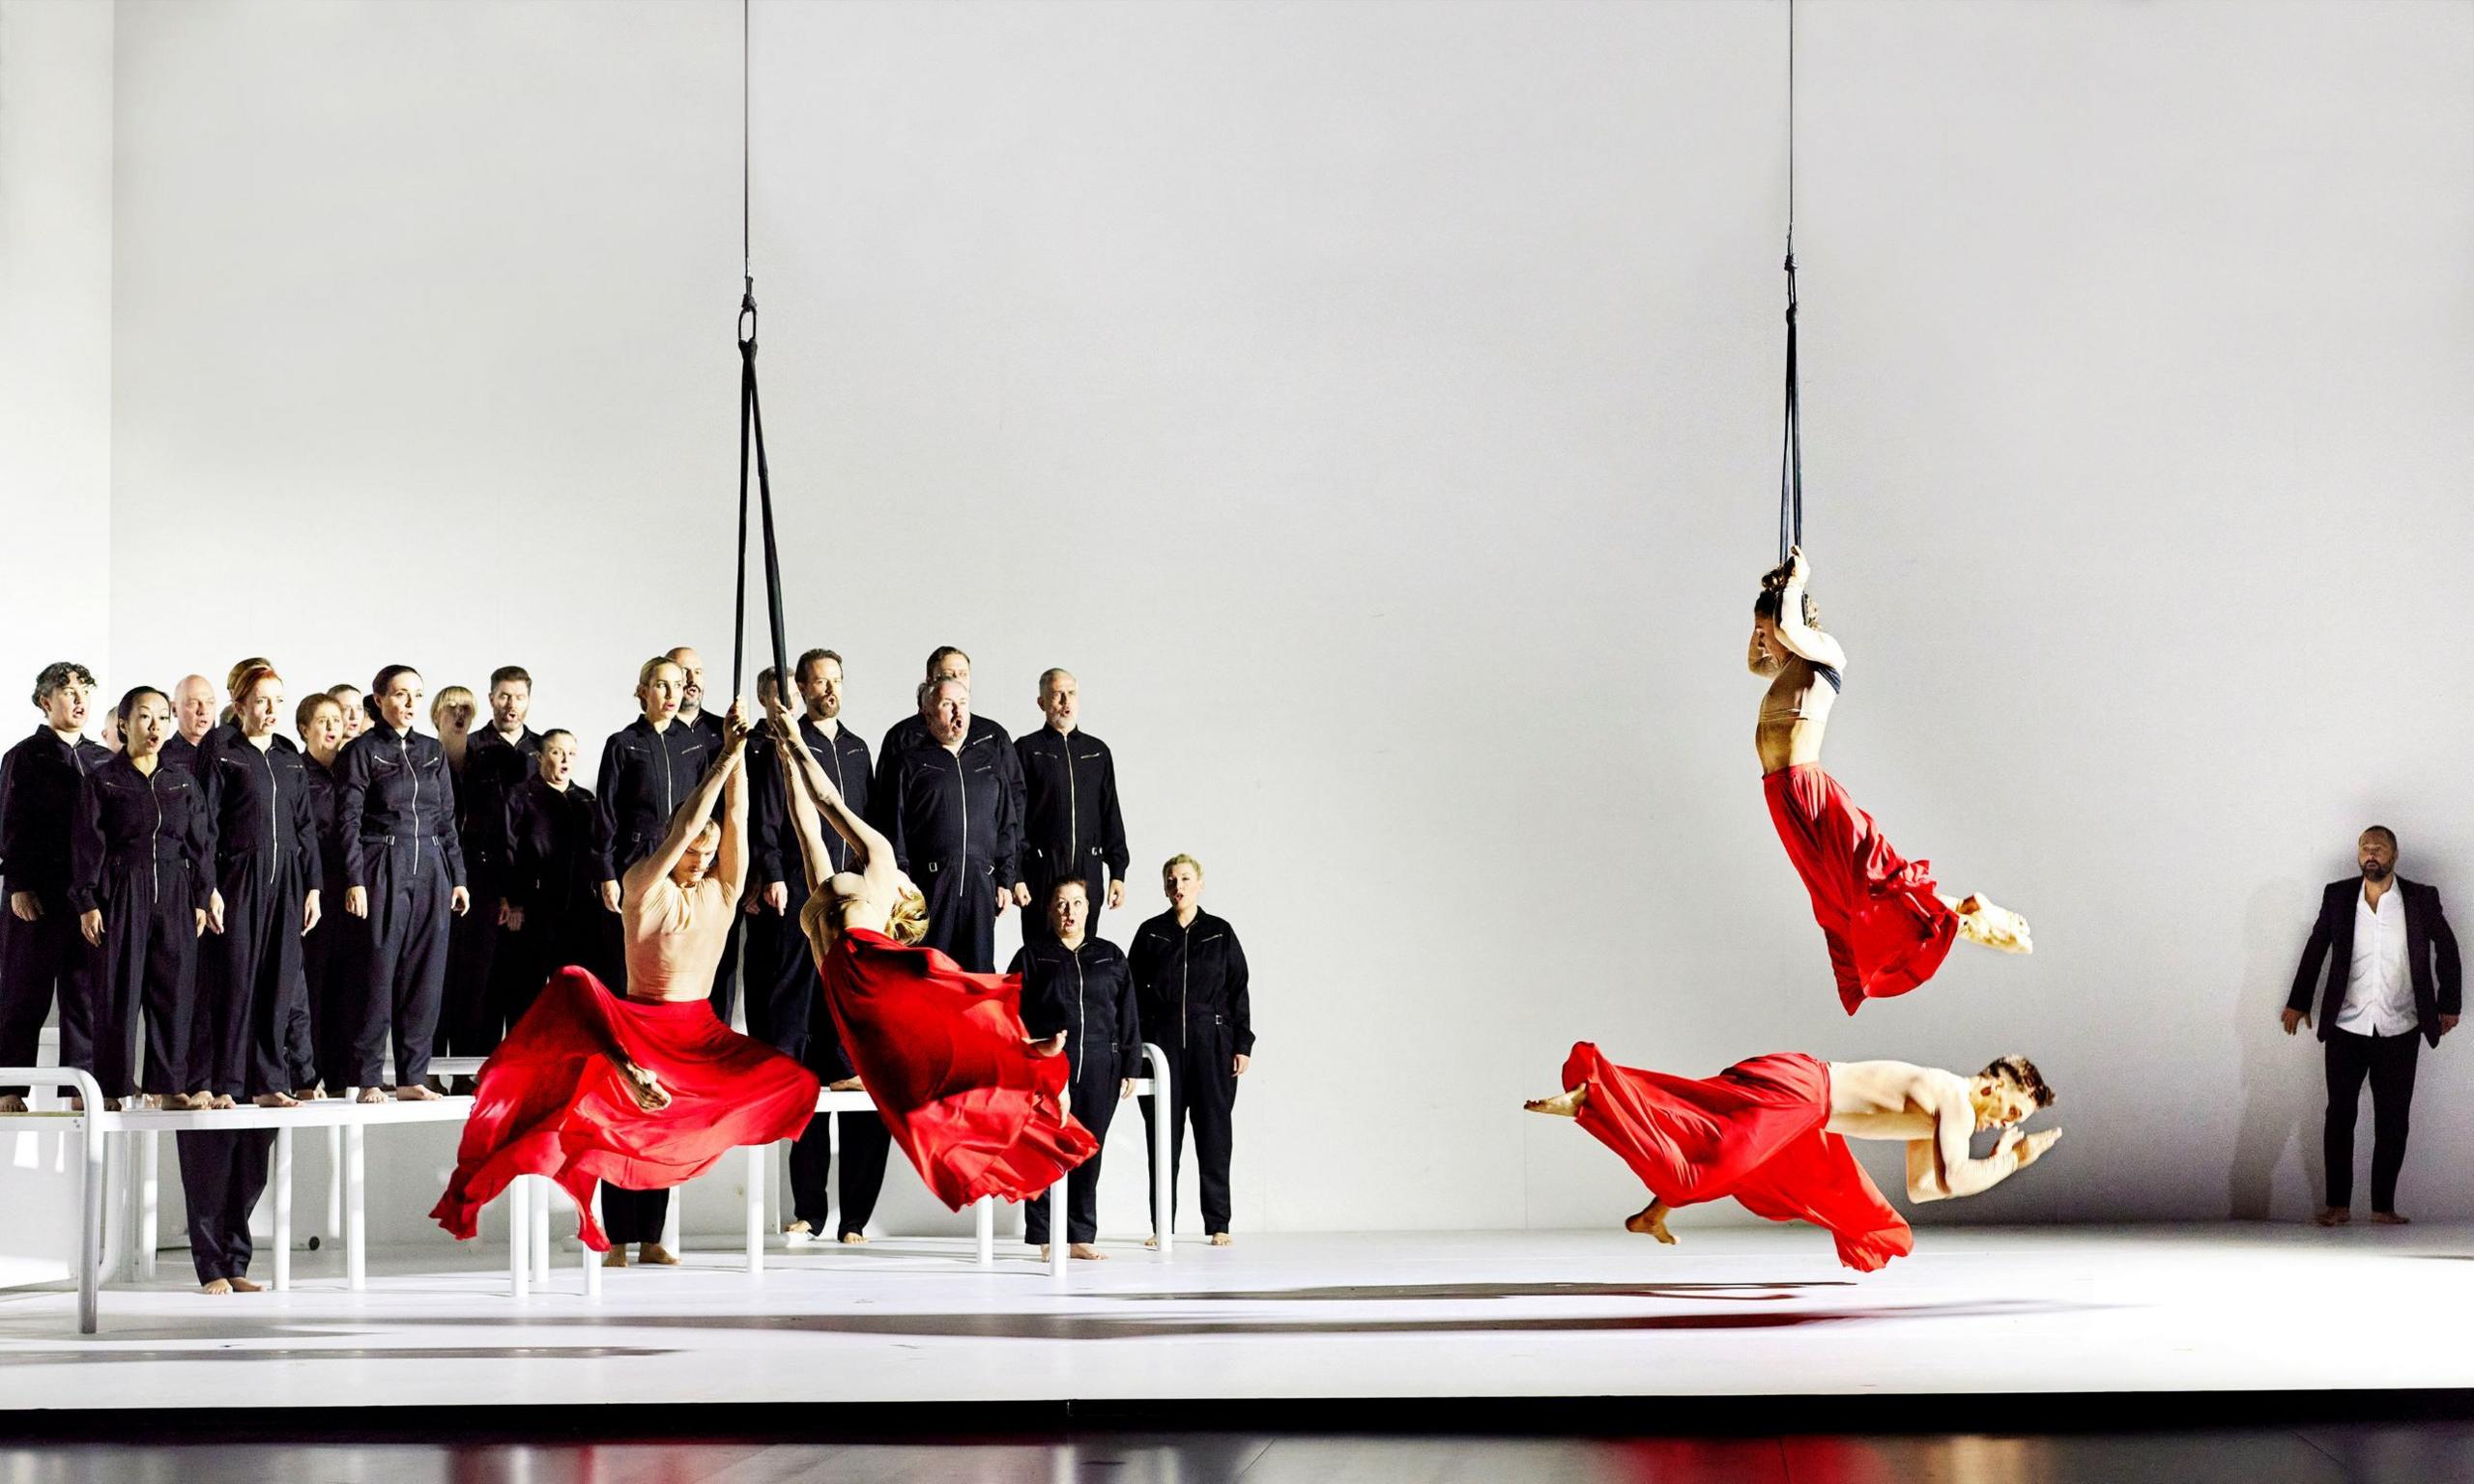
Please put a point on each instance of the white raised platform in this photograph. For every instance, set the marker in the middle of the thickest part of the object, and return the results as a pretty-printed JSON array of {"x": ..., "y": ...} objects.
[{"x": 1733, "y": 1312}]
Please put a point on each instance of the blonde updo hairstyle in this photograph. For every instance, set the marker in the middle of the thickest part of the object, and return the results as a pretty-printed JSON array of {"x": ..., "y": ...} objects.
[{"x": 906, "y": 925}]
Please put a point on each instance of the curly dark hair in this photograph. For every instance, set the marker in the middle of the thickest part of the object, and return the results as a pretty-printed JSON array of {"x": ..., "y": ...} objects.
[
  {"x": 2021, "y": 1073},
  {"x": 58, "y": 673},
  {"x": 1772, "y": 600}
]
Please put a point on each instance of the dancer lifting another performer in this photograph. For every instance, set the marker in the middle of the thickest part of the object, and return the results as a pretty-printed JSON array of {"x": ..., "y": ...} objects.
[
  {"x": 979, "y": 1107},
  {"x": 650, "y": 1090},
  {"x": 1886, "y": 927},
  {"x": 1771, "y": 1132}
]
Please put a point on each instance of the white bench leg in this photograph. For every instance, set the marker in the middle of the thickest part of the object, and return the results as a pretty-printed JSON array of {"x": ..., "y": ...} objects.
[
  {"x": 758, "y": 1156},
  {"x": 519, "y": 1232},
  {"x": 282, "y": 1210},
  {"x": 333, "y": 1229},
  {"x": 89, "y": 1223},
  {"x": 1059, "y": 1232},
  {"x": 356, "y": 1214},
  {"x": 149, "y": 1200},
  {"x": 674, "y": 1223},
  {"x": 986, "y": 1208},
  {"x": 591, "y": 1260},
  {"x": 540, "y": 1233}
]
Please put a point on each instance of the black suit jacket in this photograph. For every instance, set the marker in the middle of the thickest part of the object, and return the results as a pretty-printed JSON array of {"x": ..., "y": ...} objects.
[{"x": 2429, "y": 945}]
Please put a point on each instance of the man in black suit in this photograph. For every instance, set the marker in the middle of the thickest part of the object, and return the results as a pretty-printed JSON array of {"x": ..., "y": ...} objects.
[{"x": 2396, "y": 976}]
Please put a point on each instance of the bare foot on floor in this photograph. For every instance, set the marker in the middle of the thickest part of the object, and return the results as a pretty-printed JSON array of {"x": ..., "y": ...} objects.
[
  {"x": 1988, "y": 925},
  {"x": 418, "y": 1093},
  {"x": 371, "y": 1095},
  {"x": 1085, "y": 1252},
  {"x": 1222, "y": 1240},
  {"x": 797, "y": 1231},
  {"x": 1650, "y": 1221},
  {"x": 854, "y": 1239},
  {"x": 655, "y": 1254},
  {"x": 244, "y": 1286},
  {"x": 218, "y": 1286},
  {"x": 2331, "y": 1215},
  {"x": 2390, "y": 1218},
  {"x": 1151, "y": 1244},
  {"x": 1561, "y": 1106},
  {"x": 616, "y": 1257}
]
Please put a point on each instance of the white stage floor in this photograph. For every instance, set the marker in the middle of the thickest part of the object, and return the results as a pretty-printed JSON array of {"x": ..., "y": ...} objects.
[{"x": 1733, "y": 1312}]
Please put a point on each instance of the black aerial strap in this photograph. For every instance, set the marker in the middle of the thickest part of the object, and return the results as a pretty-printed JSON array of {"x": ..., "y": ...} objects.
[
  {"x": 751, "y": 433},
  {"x": 1791, "y": 453}
]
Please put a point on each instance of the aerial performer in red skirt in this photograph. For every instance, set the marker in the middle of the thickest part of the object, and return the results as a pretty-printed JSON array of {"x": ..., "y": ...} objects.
[
  {"x": 1773, "y": 1133},
  {"x": 979, "y": 1107},
  {"x": 1886, "y": 927},
  {"x": 647, "y": 1091}
]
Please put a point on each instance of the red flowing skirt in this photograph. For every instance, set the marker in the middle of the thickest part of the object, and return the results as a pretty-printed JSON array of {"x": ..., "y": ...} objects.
[
  {"x": 551, "y": 1104},
  {"x": 1755, "y": 1132},
  {"x": 1888, "y": 933},
  {"x": 941, "y": 1051}
]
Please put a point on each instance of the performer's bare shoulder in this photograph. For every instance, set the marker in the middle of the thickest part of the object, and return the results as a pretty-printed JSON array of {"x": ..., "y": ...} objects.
[
  {"x": 1801, "y": 663},
  {"x": 1935, "y": 1113}
]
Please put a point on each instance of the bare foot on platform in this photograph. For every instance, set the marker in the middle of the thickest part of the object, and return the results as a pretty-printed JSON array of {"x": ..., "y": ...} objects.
[
  {"x": 275, "y": 1101},
  {"x": 1561, "y": 1106},
  {"x": 1987, "y": 925},
  {"x": 371, "y": 1095},
  {"x": 654, "y": 1254},
  {"x": 219, "y": 1287},
  {"x": 2390, "y": 1218},
  {"x": 244, "y": 1286},
  {"x": 845, "y": 1085},
  {"x": 854, "y": 1239},
  {"x": 223, "y": 1101},
  {"x": 616, "y": 1257},
  {"x": 10, "y": 1102},
  {"x": 2332, "y": 1216},
  {"x": 1650, "y": 1222},
  {"x": 309, "y": 1094},
  {"x": 192, "y": 1102},
  {"x": 1084, "y": 1252},
  {"x": 1222, "y": 1240},
  {"x": 418, "y": 1093},
  {"x": 645, "y": 1088}
]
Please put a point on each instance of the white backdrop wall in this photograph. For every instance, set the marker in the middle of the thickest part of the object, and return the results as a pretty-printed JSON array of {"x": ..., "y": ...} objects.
[{"x": 1376, "y": 406}]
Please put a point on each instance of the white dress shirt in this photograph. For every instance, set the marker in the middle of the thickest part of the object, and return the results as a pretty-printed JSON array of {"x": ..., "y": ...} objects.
[{"x": 2380, "y": 988}]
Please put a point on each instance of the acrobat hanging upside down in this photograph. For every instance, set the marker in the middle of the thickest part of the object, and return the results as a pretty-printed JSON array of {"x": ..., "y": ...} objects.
[{"x": 1886, "y": 927}]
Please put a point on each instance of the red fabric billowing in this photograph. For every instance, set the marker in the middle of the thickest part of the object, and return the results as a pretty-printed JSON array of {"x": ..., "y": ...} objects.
[
  {"x": 1755, "y": 1132},
  {"x": 1888, "y": 933},
  {"x": 551, "y": 1104},
  {"x": 941, "y": 1051}
]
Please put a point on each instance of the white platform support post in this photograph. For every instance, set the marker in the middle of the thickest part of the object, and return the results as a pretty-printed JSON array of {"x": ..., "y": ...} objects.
[
  {"x": 149, "y": 1200},
  {"x": 282, "y": 1210},
  {"x": 674, "y": 1223},
  {"x": 759, "y": 1157},
  {"x": 88, "y": 1124},
  {"x": 983, "y": 1209},
  {"x": 591, "y": 1258},
  {"x": 519, "y": 1247},
  {"x": 1059, "y": 1233},
  {"x": 356, "y": 1212},
  {"x": 332, "y": 1229},
  {"x": 540, "y": 1233}
]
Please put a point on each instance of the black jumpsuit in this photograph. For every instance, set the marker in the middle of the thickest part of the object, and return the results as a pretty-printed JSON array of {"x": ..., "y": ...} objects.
[
  {"x": 1071, "y": 825},
  {"x": 40, "y": 779},
  {"x": 1190, "y": 982},
  {"x": 784, "y": 1007},
  {"x": 474, "y": 1018},
  {"x": 555, "y": 849},
  {"x": 951, "y": 819},
  {"x": 398, "y": 807},
  {"x": 1086, "y": 992},
  {"x": 252, "y": 989},
  {"x": 334, "y": 956},
  {"x": 142, "y": 855}
]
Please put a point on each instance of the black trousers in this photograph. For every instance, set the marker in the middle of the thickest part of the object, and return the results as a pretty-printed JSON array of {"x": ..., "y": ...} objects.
[
  {"x": 633, "y": 1216},
  {"x": 251, "y": 989},
  {"x": 37, "y": 960},
  {"x": 1201, "y": 1086},
  {"x": 149, "y": 963},
  {"x": 471, "y": 1021},
  {"x": 335, "y": 960},
  {"x": 1095, "y": 1107},
  {"x": 961, "y": 911},
  {"x": 2388, "y": 1061},
  {"x": 863, "y": 1142},
  {"x": 222, "y": 1175},
  {"x": 405, "y": 975}
]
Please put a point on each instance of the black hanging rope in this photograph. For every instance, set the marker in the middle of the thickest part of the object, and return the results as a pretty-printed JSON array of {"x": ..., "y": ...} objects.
[
  {"x": 1791, "y": 453},
  {"x": 751, "y": 428}
]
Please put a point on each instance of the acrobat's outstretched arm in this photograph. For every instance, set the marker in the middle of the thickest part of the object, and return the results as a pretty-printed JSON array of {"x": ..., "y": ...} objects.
[
  {"x": 689, "y": 820},
  {"x": 1939, "y": 1168},
  {"x": 814, "y": 803},
  {"x": 1808, "y": 643}
]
